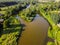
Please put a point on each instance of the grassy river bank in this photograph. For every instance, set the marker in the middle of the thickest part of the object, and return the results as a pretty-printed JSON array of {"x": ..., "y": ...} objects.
[{"x": 54, "y": 30}]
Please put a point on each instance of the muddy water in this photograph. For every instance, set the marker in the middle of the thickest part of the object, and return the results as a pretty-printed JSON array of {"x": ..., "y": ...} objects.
[{"x": 35, "y": 32}]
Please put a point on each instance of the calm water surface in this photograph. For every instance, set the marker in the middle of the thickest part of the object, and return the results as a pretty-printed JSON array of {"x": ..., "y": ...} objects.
[{"x": 35, "y": 32}]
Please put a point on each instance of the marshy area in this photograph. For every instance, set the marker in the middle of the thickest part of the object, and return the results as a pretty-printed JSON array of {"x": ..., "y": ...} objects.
[{"x": 29, "y": 23}]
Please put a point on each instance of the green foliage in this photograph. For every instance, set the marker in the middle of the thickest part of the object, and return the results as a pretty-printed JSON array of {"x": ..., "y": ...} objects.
[
  {"x": 55, "y": 18},
  {"x": 11, "y": 30},
  {"x": 50, "y": 33},
  {"x": 50, "y": 43},
  {"x": 58, "y": 35},
  {"x": 28, "y": 14}
]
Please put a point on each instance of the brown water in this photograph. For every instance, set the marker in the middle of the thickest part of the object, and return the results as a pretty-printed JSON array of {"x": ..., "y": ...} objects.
[{"x": 35, "y": 32}]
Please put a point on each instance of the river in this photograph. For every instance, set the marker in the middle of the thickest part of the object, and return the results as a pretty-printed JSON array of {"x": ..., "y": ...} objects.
[{"x": 35, "y": 32}]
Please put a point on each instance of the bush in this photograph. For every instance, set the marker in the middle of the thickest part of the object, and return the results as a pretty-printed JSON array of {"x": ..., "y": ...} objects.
[
  {"x": 28, "y": 14},
  {"x": 11, "y": 30}
]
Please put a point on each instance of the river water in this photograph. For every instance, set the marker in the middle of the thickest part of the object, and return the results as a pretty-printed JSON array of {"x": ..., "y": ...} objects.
[{"x": 35, "y": 32}]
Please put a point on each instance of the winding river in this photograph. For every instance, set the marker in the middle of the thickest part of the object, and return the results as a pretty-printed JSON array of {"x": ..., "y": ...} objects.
[{"x": 35, "y": 32}]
